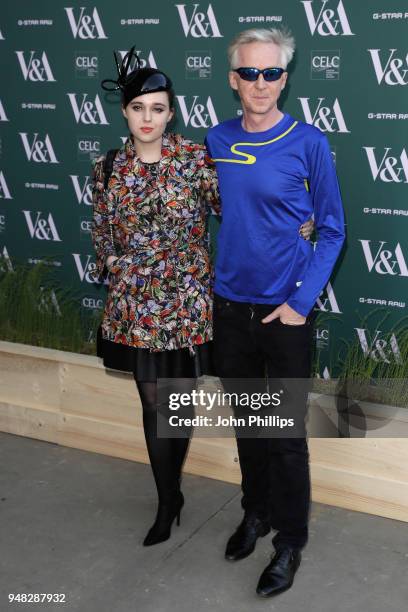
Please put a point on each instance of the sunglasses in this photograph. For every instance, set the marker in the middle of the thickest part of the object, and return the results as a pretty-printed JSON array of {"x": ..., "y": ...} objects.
[{"x": 252, "y": 74}]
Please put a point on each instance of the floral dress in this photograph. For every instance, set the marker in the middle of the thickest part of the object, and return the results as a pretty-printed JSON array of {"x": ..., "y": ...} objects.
[{"x": 153, "y": 217}]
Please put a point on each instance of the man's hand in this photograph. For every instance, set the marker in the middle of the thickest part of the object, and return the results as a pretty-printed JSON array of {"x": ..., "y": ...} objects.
[
  {"x": 287, "y": 315},
  {"x": 306, "y": 229}
]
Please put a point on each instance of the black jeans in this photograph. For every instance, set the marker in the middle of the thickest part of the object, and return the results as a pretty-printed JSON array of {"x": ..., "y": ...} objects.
[{"x": 275, "y": 471}]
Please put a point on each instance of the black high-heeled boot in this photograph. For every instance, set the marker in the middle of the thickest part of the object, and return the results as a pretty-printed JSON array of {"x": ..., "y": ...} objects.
[{"x": 167, "y": 511}]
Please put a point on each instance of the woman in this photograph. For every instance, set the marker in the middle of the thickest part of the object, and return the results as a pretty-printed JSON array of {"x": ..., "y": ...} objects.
[{"x": 149, "y": 233}]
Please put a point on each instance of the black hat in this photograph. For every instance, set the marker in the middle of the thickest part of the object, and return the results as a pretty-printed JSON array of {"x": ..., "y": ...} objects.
[{"x": 137, "y": 82}]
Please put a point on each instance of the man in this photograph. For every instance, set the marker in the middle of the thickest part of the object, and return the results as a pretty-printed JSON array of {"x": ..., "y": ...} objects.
[{"x": 274, "y": 173}]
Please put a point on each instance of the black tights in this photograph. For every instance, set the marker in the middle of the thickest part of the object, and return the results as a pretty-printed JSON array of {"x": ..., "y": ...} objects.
[{"x": 166, "y": 454}]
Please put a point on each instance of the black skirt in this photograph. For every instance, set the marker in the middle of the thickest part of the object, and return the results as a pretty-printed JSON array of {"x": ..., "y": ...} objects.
[{"x": 148, "y": 366}]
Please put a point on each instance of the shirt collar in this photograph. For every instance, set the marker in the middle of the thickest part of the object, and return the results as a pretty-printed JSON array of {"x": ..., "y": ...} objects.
[{"x": 169, "y": 149}]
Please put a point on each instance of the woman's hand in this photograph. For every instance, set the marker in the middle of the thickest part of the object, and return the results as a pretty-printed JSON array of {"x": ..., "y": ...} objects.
[
  {"x": 306, "y": 229},
  {"x": 110, "y": 261}
]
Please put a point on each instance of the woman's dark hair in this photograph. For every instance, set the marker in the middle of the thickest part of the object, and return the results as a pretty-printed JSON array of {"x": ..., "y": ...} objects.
[{"x": 126, "y": 96}]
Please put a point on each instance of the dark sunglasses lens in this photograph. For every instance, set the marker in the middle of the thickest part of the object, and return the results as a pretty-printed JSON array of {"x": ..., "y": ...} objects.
[
  {"x": 248, "y": 74},
  {"x": 155, "y": 81},
  {"x": 272, "y": 74}
]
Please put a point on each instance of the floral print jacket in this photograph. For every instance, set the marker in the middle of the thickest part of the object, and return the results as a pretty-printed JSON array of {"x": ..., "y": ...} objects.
[{"x": 160, "y": 287}]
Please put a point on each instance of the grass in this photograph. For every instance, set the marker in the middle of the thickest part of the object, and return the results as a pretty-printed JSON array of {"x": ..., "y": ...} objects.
[
  {"x": 381, "y": 372},
  {"x": 35, "y": 310}
]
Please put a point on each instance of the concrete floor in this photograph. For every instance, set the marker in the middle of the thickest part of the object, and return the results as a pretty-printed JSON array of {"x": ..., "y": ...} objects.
[{"x": 72, "y": 522}]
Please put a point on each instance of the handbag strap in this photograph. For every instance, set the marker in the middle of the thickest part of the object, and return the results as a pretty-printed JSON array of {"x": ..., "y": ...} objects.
[
  {"x": 107, "y": 171},
  {"x": 108, "y": 166}
]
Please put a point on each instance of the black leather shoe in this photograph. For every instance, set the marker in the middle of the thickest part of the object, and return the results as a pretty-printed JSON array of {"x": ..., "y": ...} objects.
[
  {"x": 279, "y": 574},
  {"x": 161, "y": 529},
  {"x": 242, "y": 542}
]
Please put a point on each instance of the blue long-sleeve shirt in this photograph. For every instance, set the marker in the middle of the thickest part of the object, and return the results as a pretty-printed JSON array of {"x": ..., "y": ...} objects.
[{"x": 270, "y": 183}]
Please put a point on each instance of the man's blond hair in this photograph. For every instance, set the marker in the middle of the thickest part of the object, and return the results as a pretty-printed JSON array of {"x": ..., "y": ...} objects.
[{"x": 282, "y": 38}]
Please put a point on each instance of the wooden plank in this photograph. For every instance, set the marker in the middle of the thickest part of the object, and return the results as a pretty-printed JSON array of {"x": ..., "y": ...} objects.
[
  {"x": 377, "y": 458},
  {"x": 40, "y": 352},
  {"x": 349, "y": 487},
  {"x": 360, "y": 492},
  {"x": 364, "y": 420},
  {"x": 29, "y": 422},
  {"x": 214, "y": 458},
  {"x": 89, "y": 392},
  {"x": 72, "y": 400},
  {"x": 28, "y": 381},
  {"x": 98, "y": 436}
]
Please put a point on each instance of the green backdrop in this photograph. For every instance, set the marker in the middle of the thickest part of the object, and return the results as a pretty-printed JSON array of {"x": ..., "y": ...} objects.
[{"x": 348, "y": 78}]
